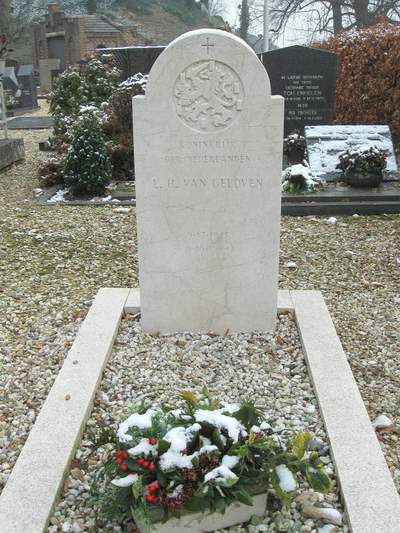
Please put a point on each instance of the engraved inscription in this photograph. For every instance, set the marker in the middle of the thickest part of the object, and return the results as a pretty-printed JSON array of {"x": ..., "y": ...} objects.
[
  {"x": 208, "y": 183},
  {"x": 208, "y": 96},
  {"x": 210, "y": 244},
  {"x": 304, "y": 97}
]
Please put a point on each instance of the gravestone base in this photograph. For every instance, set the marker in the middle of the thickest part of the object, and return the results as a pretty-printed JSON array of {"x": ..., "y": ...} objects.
[
  {"x": 368, "y": 491},
  {"x": 11, "y": 151}
]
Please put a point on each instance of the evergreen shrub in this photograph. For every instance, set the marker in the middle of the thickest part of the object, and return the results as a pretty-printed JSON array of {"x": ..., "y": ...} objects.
[{"x": 87, "y": 167}]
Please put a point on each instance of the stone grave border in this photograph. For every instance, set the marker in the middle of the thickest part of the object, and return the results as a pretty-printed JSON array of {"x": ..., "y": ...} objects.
[
  {"x": 369, "y": 494},
  {"x": 51, "y": 191},
  {"x": 318, "y": 204}
]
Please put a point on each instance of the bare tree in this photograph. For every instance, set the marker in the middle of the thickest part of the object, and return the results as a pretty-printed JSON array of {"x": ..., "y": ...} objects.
[
  {"x": 16, "y": 16},
  {"x": 216, "y": 8},
  {"x": 325, "y": 17}
]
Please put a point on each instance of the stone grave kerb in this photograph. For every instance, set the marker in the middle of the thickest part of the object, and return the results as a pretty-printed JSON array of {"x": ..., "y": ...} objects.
[{"x": 208, "y": 190}]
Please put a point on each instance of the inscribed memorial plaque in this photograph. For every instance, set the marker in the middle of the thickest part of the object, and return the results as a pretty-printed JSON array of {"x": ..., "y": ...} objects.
[{"x": 208, "y": 156}]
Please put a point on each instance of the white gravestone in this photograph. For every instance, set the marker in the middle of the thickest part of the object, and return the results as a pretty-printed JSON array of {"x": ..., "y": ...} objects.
[{"x": 208, "y": 156}]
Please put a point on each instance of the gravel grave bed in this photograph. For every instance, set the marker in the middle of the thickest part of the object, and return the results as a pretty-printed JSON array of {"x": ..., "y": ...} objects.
[{"x": 268, "y": 368}]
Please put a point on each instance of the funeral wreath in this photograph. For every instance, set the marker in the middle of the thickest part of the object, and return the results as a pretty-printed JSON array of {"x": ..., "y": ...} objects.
[
  {"x": 201, "y": 457},
  {"x": 362, "y": 167}
]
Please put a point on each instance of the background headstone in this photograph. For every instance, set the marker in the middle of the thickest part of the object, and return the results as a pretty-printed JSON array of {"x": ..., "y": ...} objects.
[
  {"x": 133, "y": 60},
  {"x": 3, "y": 110},
  {"x": 27, "y": 86},
  {"x": 325, "y": 143},
  {"x": 306, "y": 78},
  {"x": 46, "y": 68},
  {"x": 11, "y": 88},
  {"x": 208, "y": 158}
]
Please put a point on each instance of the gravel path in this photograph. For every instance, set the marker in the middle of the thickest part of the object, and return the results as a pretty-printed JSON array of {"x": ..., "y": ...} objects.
[
  {"x": 54, "y": 259},
  {"x": 269, "y": 369}
]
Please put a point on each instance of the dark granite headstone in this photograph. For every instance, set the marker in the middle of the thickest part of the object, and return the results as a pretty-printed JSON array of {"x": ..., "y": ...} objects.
[
  {"x": 11, "y": 87},
  {"x": 306, "y": 78},
  {"x": 27, "y": 85},
  {"x": 134, "y": 59}
]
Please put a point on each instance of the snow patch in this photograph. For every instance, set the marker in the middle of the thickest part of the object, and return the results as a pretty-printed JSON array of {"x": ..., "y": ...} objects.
[
  {"x": 382, "y": 421},
  {"x": 134, "y": 421},
  {"x": 223, "y": 472},
  {"x": 178, "y": 438},
  {"x": 125, "y": 481},
  {"x": 217, "y": 418},
  {"x": 287, "y": 482},
  {"x": 296, "y": 172},
  {"x": 59, "y": 196},
  {"x": 143, "y": 448}
]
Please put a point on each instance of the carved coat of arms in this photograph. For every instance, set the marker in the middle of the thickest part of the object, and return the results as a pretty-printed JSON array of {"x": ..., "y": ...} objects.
[{"x": 208, "y": 96}]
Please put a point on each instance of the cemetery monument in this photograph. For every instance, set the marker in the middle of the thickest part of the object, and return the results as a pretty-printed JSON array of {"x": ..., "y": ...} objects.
[
  {"x": 208, "y": 158},
  {"x": 11, "y": 150},
  {"x": 28, "y": 87},
  {"x": 47, "y": 69},
  {"x": 306, "y": 78}
]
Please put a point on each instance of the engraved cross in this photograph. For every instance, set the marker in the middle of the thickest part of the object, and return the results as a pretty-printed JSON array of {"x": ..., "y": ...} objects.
[{"x": 208, "y": 45}]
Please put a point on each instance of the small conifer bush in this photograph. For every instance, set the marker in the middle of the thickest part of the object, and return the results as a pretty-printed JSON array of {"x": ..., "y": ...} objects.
[{"x": 87, "y": 167}]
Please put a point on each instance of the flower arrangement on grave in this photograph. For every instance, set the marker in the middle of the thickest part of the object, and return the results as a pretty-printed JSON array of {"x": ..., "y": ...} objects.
[
  {"x": 13, "y": 101},
  {"x": 294, "y": 147},
  {"x": 362, "y": 167},
  {"x": 201, "y": 457},
  {"x": 299, "y": 179}
]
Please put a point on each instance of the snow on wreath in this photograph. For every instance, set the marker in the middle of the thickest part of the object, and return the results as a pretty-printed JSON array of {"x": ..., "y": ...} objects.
[{"x": 199, "y": 456}]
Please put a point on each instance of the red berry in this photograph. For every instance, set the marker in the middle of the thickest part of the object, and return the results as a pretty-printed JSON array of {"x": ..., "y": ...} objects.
[
  {"x": 153, "y": 487},
  {"x": 125, "y": 455},
  {"x": 152, "y": 442},
  {"x": 139, "y": 461},
  {"x": 150, "y": 499},
  {"x": 119, "y": 460},
  {"x": 124, "y": 467},
  {"x": 152, "y": 467},
  {"x": 119, "y": 453},
  {"x": 145, "y": 464}
]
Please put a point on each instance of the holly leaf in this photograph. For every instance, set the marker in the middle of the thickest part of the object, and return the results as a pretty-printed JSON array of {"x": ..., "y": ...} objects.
[
  {"x": 189, "y": 397},
  {"x": 163, "y": 446},
  {"x": 301, "y": 443},
  {"x": 228, "y": 481},
  {"x": 162, "y": 478},
  {"x": 196, "y": 504},
  {"x": 318, "y": 479},
  {"x": 137, "y": 489},
  {"x": 248, "y": 415},
  {"x": 220, "y": 505},
  {"x": 244, "y": 497},
  {"x": 216, "y": 439}
]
